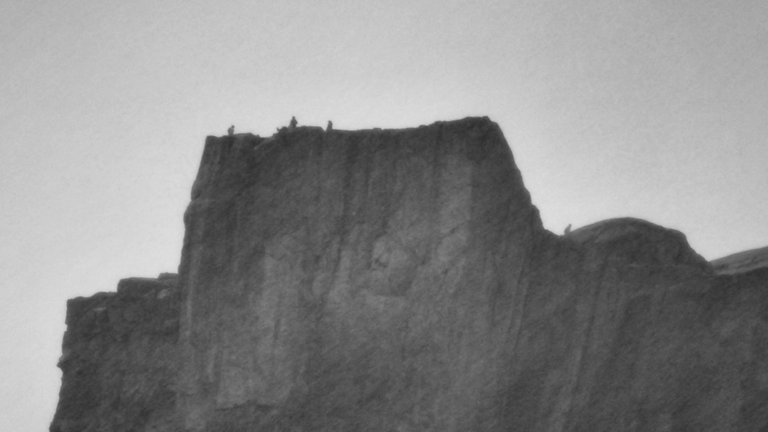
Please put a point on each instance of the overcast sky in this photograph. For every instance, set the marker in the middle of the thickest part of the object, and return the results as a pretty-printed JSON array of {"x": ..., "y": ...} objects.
[{"x": 649, "y": 108}]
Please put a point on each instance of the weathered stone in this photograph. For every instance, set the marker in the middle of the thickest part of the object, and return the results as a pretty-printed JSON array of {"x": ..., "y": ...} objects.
[
  {"x": 401, "y": 280},
  {"x": 355, "y": 278},
  {"x": 639, "y": 242},
  {"x": 119, "y": 359},
  {"x": 742, "y": 262}
]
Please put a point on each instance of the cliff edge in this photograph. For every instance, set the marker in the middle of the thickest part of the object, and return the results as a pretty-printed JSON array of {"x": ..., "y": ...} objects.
[
  {"x": 742, "y": 262},
  {"x": 401, "y": 280}
]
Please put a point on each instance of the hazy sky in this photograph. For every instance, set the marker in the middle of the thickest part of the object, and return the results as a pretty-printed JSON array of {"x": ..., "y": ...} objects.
[{"x": 655, "y": 109}]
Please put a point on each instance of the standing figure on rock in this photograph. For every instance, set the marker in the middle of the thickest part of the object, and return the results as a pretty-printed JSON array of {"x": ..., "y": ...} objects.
[
  {"x": 231, "y": 130},
  {"x": 293, "y": 123},
  {"x": 329, "y": 127}
]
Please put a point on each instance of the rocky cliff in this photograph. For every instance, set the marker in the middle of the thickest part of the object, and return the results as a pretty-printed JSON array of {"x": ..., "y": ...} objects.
[
  {"x": 119, "y": 359},
  {"x": 401, "y": 280}
]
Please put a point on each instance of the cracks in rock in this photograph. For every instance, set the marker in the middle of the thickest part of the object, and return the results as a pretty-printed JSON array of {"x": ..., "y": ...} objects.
[
  {"x": 604, "y": 264},
  {"x": 518, "y": 324}
]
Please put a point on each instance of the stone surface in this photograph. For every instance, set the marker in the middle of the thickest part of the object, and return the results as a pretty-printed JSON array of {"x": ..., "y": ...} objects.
[
  {"x": 638, "y": 242},
  {"x": 401, "y": 280},
  {"x": 119, "y": 359},
  {"x": 742, "y": 262},
  {"x": 352, "y": 280}
]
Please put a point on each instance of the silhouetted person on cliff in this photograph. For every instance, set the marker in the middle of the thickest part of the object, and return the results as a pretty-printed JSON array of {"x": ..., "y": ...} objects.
[
  {"x": 293, "y": 123},
  {"x": 231, "y": 130},
  {"x": 568, "y": 229},
  {"x": 329, "y": 127}
]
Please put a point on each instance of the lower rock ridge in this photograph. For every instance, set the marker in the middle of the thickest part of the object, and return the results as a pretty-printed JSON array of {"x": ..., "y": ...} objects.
[{"x": 401, "y": 280}]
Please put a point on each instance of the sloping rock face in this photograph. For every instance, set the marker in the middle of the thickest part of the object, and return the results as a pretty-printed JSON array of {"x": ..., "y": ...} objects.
[
  {"x": 742, "y": 262},
  {"x": 119, "y": 359},
  {"x": 401, "y": 280}
]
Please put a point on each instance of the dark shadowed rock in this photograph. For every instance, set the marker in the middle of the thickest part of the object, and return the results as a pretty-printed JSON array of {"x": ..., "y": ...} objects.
[
  {"x": 639, "y": 242},
  {"x": 401, "y": 280},
  {"x": 352, "y": 280},
  {"x": 742, "y": 262},
  {"x": 119, "y": 359}
]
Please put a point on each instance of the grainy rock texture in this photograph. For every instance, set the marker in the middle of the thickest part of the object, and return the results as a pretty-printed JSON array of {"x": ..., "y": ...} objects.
[
  {"x": 119, "y": 359},
  {"x": 401, "y": 280},
  {"x": 353, "y": 280},
  {"x": 742, "y": 262}
]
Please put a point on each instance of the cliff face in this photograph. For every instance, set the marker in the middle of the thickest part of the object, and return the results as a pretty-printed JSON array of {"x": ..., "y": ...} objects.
[
  {"x": 119, "y": 359},
  {"x": 352, "y": 280},
  {"x": 742, "y": 262},
  {"x": 401, "y": 280}
]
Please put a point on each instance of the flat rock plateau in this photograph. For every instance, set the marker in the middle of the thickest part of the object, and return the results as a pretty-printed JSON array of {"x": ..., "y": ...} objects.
[{"x": 402, "y": 281}]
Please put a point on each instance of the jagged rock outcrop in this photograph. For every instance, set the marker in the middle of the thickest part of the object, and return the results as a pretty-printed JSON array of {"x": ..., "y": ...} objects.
[
  {"x": 119, "y": 359},
  {"x": 401, "y": 280}
]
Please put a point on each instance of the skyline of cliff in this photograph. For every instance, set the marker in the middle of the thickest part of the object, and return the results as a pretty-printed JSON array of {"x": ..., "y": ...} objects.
[
  {"x": 652, "y": 110},
  {"x": 401, "y": 279}
]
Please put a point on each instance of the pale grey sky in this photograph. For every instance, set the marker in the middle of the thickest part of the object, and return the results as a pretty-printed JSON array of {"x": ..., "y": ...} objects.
[{"x": 654, "y": 109}]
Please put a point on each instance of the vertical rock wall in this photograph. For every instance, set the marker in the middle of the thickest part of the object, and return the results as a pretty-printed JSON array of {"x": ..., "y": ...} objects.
[
  {"x": 352, "y": 280},
  {"x": 119, "y": 359},
  {"x": 400, "y": 280}
]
